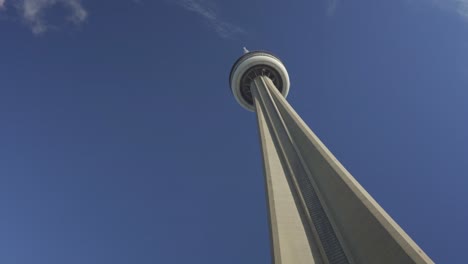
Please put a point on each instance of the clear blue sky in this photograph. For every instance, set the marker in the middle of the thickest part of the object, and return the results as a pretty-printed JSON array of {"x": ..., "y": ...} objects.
[{"x": 120, "y": 141}]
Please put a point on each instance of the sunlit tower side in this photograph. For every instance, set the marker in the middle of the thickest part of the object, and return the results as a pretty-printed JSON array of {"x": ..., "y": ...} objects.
[{"x": 318, "y": 213}]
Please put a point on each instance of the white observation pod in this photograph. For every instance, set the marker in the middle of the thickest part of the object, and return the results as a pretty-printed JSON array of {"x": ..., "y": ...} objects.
[{"x": 254, "y": 64}]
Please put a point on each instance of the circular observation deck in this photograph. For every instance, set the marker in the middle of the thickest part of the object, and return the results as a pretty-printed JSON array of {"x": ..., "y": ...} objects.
[{"x": 254, "y": 64}]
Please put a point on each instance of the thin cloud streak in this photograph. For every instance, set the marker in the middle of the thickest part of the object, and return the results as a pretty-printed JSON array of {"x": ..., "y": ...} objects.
[
  {"x": 332, "y": 4},
  {"x": 459, "y": 6},
  {"x": 33, "y": 12},
  {"x": 222, "y": 28}
]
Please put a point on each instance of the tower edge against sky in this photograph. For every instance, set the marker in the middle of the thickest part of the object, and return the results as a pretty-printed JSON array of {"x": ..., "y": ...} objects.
[{"x": 318, "y": 213}]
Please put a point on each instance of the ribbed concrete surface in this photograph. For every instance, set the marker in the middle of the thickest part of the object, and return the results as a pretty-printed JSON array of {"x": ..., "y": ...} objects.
[{"x": 318, "y": 212}]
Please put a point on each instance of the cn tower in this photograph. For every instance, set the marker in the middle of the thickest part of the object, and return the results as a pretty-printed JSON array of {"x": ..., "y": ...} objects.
[{"x": 318, "y": 213}]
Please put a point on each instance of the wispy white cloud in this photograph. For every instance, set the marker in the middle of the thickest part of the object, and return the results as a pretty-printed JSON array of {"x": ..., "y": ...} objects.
[
  {"x": 332, "y": 4},
  {"x": 458, "y": 6},
  {"x": 33, "y": 12},
  {"x": 203, "y": 9}
]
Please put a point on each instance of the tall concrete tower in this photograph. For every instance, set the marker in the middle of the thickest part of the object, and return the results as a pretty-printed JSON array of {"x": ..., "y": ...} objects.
[{"x": 318, "y": 213}]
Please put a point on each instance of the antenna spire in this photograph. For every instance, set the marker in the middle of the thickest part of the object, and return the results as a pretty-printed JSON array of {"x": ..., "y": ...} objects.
[{"x": 246, "y": 50}]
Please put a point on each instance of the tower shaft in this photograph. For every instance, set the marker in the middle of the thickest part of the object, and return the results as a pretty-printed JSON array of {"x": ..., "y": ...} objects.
[{"x": 318, "y": 212}]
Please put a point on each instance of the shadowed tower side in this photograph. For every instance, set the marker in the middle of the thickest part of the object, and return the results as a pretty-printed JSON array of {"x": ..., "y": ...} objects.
[{"x": 318, "y": 212}]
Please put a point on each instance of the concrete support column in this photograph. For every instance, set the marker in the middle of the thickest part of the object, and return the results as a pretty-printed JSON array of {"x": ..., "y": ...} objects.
[{"x": 318, "y": 212}]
